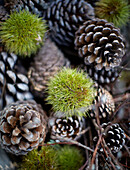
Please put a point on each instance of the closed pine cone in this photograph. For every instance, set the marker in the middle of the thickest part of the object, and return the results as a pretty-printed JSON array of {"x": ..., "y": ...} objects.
[
  {"x": 103, "y": 76},
  {"x": 23, "y": 127},
  {"x": 46, "y": 64},
  {"x": 64, "y": 18},
  {"x": 34, "y": 6},
  {"x": 13, "y": 86},
  {"x": 100, "y": 43}
]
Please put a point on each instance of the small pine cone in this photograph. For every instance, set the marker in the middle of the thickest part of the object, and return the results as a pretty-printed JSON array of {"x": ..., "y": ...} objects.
[
  {"x": 114, "y": 137},
  {"x": 3, "y": 14},
  {"x": 100, "y": 43},
  {"x": 46, "y": 64},
  {"x": 34, "y": 6},
  {"x": 103, "y": 105},
  {"x": 62, "y": 127},
  {"x": 64, "y": 18},
  {"x": 13, "y": 86},
  {"x": 103, "y": 76},
  {"x": 23, "y": 127}
]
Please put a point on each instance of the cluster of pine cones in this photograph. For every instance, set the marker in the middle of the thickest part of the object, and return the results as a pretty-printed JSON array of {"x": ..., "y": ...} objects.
[{"x": 98, "y": 45}]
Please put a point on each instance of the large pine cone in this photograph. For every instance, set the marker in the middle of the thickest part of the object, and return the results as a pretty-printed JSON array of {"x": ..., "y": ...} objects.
[
  {"x": 103, "y": 105},
  {"x": 64, "y": 18},
  {"x": 34, "y": 6},
  {"x": 114, "y": 137},
  {"x": 13, "y": 86},
  {"x": 65, "y": 127},
  {"x": 100, "y": 43},
  {"x": 23, "y": 127},
  {"x": 46, "y": 64},
  {"x": 103, "y": 76}
]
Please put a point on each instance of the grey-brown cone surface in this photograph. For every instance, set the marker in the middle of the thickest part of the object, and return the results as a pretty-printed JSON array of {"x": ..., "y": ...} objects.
[
  {"x": 46, "y": 64},
  {"x": 22, "y": 127},
  {"x": 100, "y": 43},
  {"x": 34, "y": 6},
  {"x": 103, "y": 76},
  {"x": 3, "y": 14},
  {"x": 103, "y": 105},
  {"x": 64, "y": 18},
  {"x": 62, "y": 127},
  {"x": 13, "y": 86}
]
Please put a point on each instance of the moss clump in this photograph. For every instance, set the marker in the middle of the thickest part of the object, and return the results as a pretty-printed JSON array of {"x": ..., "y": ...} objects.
[
  {"x": 69, "y": 91},
  {"x": 23, "y": 33},
  {"x": 116, "y": 11},
  {"x": 46, "y": 158},
  {"x": 70, "y": 158}
]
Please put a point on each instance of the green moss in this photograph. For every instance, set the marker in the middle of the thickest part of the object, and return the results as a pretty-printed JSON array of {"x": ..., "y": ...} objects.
[
  {"x": 70, "y": 158},
  {"x": 69, "y": 91},
  {"x": 23, "y": 33},
  {"x": 116, "y": 11},
  {"x": 45, "y": 159}
]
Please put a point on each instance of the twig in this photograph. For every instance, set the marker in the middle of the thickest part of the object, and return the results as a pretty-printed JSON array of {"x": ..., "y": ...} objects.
[
  {"x": 72, "y": 142},
  {"x": 82, "y": 168}
]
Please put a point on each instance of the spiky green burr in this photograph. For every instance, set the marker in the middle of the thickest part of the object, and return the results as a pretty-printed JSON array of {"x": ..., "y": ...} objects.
[
  {"x": 116, "y": 11},
  {"x": 71, "y": 92},
  {"x": 23, "y": 33}
]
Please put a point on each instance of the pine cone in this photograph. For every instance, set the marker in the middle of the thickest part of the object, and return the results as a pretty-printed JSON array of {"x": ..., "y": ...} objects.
[
  {"x": 34, "y": 6},
  {"x": 62, "y": 127},
  {"x": 92, "y": 2},
  {"x": 3, "y": 14},
  {"x": 105, "y": 105},
  {"x": 103, "y": 76},
  {"x": 46, "y": 64},
  {"x": 114, "y": 137},
  {"x": 23, "y": 127},
  {"x": 13, "y": 86},
  {"x": 100, "y": 43},
  {"x": 64, "y": 18}
]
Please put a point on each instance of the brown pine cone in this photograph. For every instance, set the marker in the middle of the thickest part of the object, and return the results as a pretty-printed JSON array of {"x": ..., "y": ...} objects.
[
  {"x": 100, "y": 43},
  {"x": 64, "y": 18},
  {"x": 62, "y": 127},
  {"x": 103, "y": 105},
  {"x": 46, "y": 64},
  {"x": 23, "y": 127}
]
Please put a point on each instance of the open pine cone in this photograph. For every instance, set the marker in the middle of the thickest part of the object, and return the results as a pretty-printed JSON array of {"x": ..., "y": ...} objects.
[
  {"x": 62, "y": 127},
  {"x": 13, "y": 86},
  {"x": 45, "y": 65},
  {"x": 23, "y": 127},
  {"x": 114, "y": 137},
  {"x": 100, "y": 43},
  {"x": 64, "y": 18},
  {"x": 103, "y": 105}
]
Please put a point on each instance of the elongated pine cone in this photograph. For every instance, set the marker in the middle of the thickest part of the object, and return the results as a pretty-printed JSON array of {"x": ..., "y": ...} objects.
[
  {"x": 64, "y": 18},
  {"x": 62, "y": 127},
  {"x": 34, "y": 6},
  {"x": 103, "y": 76},
  {"x": 114, "y": 137},
  {"x": 13, "y": 86},
  {"x": 23, "y": 127},
  {"x": 100, "y": 43},
  {"x": 103, "y": 105},
  {"x": 46, "y": 64}
]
